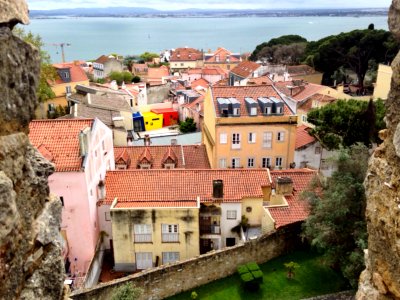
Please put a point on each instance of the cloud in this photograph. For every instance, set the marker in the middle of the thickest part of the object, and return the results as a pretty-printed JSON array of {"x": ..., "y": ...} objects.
[{"x": 228, "y": 4}]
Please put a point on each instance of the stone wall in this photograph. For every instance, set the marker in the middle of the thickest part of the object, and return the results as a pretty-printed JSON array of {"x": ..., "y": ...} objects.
[
  {"x": 31, "y": 265},
  {"x": 381, "y": 279},
  {"x": 165, "y": 281}
]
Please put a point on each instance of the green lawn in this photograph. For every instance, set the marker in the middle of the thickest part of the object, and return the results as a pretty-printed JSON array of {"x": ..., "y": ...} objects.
[{"x": 313, "y": 278}]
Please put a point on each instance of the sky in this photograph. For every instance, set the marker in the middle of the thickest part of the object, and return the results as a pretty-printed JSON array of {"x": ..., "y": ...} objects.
[{"x": 208, "y": 4}]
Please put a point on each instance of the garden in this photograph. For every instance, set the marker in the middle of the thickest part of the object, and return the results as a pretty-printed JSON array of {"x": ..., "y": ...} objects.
[{"x": 294, "y": 276}]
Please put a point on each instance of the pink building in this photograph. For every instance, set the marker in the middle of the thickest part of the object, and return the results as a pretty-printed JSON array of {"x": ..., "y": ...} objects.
[{"x": 82, "y": 151}]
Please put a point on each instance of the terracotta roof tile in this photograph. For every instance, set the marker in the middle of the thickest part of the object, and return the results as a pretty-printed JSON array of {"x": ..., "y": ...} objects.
[
  {"x": 260, "y": 81},
  {"x": 303, "y": 138},
  {"x": 186, "y": 54},
  {"x": 145, "y": 157},
  {"x": 241, "y": 92},
  {"x": 245, "y": 69},
  {"x": 300, "y": 70},
  {"x": 76, "y": 72},
  {"x": 225, "y": 56},
  {"x": 188, "y": 156},
  {"x": 297, "y": 209},
  {"x": 61, "y": 139},
  {"x": 299, "y": 93},
  {"x": 102, "y": 59},
  {"x": 307, "y": 104},
  {"x": 199, "y": 82},
  {"x": 177, "y": 185}
]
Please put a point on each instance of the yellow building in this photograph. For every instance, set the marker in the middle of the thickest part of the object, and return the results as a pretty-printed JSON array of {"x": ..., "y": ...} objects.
[
  {"x": 68, "y": 76},
  {"x": 152, "y": 121},
  {"x": 248, "y": 127},
  {"x": 382, "y": 85},
  {"x": 222, "y": 58}
]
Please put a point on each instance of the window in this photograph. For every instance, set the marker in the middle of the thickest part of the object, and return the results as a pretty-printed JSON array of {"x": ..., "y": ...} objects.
[
  {"x": 236, "y": 141},
  {"x": 62, "y": 201},
  {"x": 253, "y": 111},
  {"x": 324, "y": 164},
  {"x": 268, "y": 110},
  {"x": 217, "y": 58},
  {"x": 107, "y": 216},
  {"x": 142, "y": 233},
  {"x": 280, "y": 136},
  {"x": 252, "y": 137},
  {"x": 170, "y": 257},
  {"x": 222, "y": 163},
  {"x": 266, "y": 162},
  {"x": 304, "y": 118},
  {"x": 236, "y": 111},
  {"x": 68, "y": 89},
  {"x": 51, "y": 107},
  {"x": 250, "y": 162},
  {"x": 249, "y": 209},
  {"x": 278, "y": 162},
  {"x": 230, "y": 242},
  {"x": 317, "y": 150},
  {"x": 103, "y": 145},
  {"x": 267, "y": 140},
  {"x": 181, "y": 64},
  {"x": 169, "y": 233},
  {"x": 279, "y": 110},
  {"x": 231, "y": 214},
  {"x": 223, "y": 138},
  {"x": 169, "y": 166},
  {"x": 144, "y": 260},
  {"x": 235, "y": 163}
]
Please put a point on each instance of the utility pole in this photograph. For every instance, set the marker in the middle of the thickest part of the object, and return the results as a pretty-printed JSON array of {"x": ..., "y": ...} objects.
[{"x": 61, "y": 45}]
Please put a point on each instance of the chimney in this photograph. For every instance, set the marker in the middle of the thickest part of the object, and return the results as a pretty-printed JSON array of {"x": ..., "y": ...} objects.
[
  {"x": 83, "y": 142},
  {"x": 102, "y": 190},
  {"x": 218, "y": 188},
  {"x": 147, "y": 140},
  {"x": 284, "y": 186}
]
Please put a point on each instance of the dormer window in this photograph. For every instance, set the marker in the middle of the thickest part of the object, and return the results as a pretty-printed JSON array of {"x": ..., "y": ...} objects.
[
  {"x": 145, "y": 166},
  {"x": 169, "y": 166},
  {"x": 267, "y": 110},
  {"x": 253, "y": 111},
  {"x": 217, "y": 58},
  {"x": 279, "y": 110},
  {"x": 236, "y": 111}
]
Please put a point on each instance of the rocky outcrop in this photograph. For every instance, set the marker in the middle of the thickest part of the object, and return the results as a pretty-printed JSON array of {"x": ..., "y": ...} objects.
[
  {"x": 381, "y": 279},
  {"x": 31, "y": 266}
]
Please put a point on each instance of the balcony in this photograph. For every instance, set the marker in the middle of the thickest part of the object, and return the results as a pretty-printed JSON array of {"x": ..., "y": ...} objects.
[
  {"x": 170, "y": 237},
  {"x": 143, "y": 238},
  {"x": 209, "y": 229}
]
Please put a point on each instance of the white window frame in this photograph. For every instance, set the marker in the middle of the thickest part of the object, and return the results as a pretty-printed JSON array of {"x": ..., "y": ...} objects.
[
  {"x": 235, "y": 163},
  {"x": 253, "y": 111},
  {"x": 170, "y": 257},
  {"x": 222, "y": 163},
  {"x": 264, "y": 162},
  {"x": 235, "y": 140},
  {"x": 317, "y": 150},
  {"x": 251, "y": 162},
  {"x": 142, "y": 233},
  {"x": 267, "y": 139},
  {"x": 170, "y": 233},
  {"x": 279, "y": 110},
  {"x": 231, "y": 214},
  {"x": 144, "y": 260},
  {"x": 223, "y": 138},
  {"x": 236, "y": 111},
  {"x": 280, "y": 136},
  {"x": 278, "y": 161},
  {"x": 252, "y": 137}
]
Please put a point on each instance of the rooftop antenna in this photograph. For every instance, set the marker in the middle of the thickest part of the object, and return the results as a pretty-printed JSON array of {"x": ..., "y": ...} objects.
[{"x": 61, "y": 45}]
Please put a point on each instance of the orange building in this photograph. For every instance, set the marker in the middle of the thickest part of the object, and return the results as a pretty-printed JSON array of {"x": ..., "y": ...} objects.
[
  {"x": 222, "y": 58},
  {"x": 248, "y": 127}
]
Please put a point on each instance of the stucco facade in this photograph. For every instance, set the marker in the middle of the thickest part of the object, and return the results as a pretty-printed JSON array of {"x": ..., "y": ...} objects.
[
  {"x": 382, "y": 85},
  {"x": 140, "y": 239}
]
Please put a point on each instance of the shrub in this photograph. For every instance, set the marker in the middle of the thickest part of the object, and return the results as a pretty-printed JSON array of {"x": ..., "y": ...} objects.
[
  {"x": 194, "y": 295},
  {"x": 126, "y": 292},
  {"x": 251, "y": 276}
]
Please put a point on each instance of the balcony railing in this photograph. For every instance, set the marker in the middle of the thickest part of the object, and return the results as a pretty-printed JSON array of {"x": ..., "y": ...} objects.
[
  {"x": 210, "y": 229},
  {"x": 143, "y": 238},
  {"x": 170, "y": 237}
]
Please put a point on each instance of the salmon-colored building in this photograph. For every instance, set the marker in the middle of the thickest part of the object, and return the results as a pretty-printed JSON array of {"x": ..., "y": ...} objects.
[
  {"x": 248, "y": 127},
  {"x": 82, "y": 151},
  {"x": 222, "y": 58}
]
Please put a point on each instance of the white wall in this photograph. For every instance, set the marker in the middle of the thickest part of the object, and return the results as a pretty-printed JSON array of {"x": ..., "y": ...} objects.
[{"x": 227, "y": 225}]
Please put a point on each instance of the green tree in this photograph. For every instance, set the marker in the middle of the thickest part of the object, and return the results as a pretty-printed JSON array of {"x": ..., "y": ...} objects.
[
  {"x": 129, "y": 60},
  {"x": 282, "y": 40},
  {"x": 136, "y": 79},
  {"x": 187, "y": 126},
  {"x": 127, "y": 292},
  {"x": 120, "y": 77},
  {"x": 47, "y": 71},
  {"x": 352, "y": 50},
  {"x": 148, "y": 56},
  {"x": 336, "y": 225},
  {"x": 346, "y": 122}
]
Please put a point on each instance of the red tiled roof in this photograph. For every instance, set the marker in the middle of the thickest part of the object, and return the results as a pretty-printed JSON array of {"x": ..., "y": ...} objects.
[
  {"x": 223, "y": 55},
  {"x": 123, "y": 158},
  {"x": 76, "y": 71},
  {"x": 157, "y": 73},
  {"x": 215, "y": 71},
  {"x": 300, "y": 70},
  {"x": 320, "y": 98},
  {"x": 170, "y": 157},
  {"x": 303, "y": 138},
  {"x": 145, "y": 204},
  {"x": 102, "y": 59},
  {"x": 260, "y": 81},
  {"x": 199, "y": 82},
  {"x": 182, "y": 185},
  {"x": 241, "y": 92},
  {"x": 186, "y": 54},
  {"x": 194, "y": 156},
  {"x": 60, "y": 138},
  {"x": 145, "y": 157},
  {"x": 298, "y": 93},
  {"x": 297, "y": 209},
  {"x": 245, "y": 69}
]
